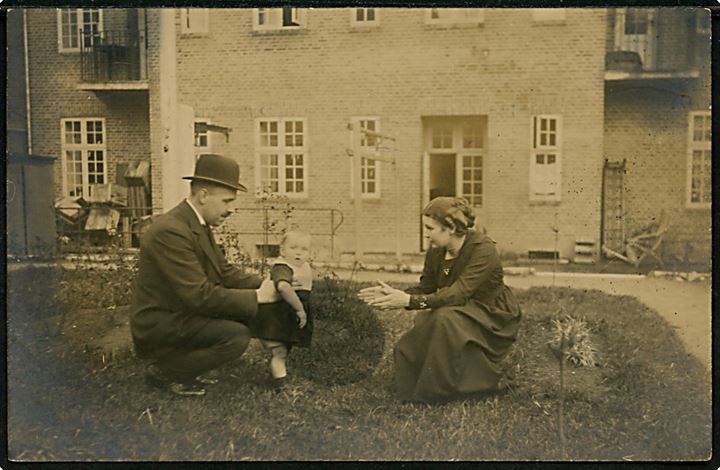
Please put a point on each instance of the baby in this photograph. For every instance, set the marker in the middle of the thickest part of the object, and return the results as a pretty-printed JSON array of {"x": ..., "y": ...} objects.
[{"x": 282, "y": 325}]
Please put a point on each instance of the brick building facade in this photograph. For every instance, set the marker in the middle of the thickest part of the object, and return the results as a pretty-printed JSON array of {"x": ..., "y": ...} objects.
[
  {"x": 657, "y": 119},
  {"x": 521, "y": 124}
]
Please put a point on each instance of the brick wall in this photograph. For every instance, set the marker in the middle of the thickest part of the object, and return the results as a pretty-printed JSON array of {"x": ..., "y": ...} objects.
[
  {"x": 506, "y": 69},
  {"x": 648, "y": 126},
  {"x": 54, "y": 96}
]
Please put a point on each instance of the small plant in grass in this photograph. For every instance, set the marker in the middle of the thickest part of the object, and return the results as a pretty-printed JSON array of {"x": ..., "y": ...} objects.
[
  {"x": 579, "y": 347},
  {"x": 571, "y": 342}
]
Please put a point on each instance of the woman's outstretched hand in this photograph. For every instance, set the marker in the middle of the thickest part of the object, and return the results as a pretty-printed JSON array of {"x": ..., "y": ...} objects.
[{"x": 384, "y": 297}]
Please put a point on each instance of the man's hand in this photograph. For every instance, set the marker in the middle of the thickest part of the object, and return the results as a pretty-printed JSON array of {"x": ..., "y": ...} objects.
[
  {"x": 266, "y": 293},
  {"x": 302, "y": 318}
]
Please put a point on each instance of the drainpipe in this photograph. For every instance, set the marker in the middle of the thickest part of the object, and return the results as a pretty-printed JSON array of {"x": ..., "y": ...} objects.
[
  {"x": 168, "y": 107},
  {"x": 27, "y": 83}
]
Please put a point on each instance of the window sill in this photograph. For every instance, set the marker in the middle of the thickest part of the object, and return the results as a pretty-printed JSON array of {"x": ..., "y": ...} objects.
[
  {"x": 280, "y": 31},
  {"x": 538, "y": 202},
  {"x": 698, "y": 207}
]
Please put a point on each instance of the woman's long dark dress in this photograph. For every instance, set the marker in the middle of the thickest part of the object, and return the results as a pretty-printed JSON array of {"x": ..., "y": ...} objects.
[{"x": 454, "y": 347}]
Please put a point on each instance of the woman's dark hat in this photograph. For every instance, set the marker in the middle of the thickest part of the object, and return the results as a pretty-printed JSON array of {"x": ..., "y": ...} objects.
[{"x": 219, "y": 170}]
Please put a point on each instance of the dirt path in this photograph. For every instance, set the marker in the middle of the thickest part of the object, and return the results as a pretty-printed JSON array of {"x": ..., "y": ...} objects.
[{"x": 685, "y": 305}]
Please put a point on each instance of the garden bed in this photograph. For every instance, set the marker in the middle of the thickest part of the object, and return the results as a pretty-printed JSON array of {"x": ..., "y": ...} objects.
[{"x": 69, "y": 399}]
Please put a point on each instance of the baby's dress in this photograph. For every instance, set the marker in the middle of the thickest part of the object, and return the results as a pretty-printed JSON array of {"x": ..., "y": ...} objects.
[{"x": 278, "y": 321}]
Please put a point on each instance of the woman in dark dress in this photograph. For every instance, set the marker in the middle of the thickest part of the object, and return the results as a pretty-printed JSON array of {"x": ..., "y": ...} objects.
[{"x": 468, "y": 317}]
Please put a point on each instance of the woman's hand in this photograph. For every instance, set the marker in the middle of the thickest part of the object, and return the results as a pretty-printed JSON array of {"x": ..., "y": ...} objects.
[{"x": 384, "y": 297}]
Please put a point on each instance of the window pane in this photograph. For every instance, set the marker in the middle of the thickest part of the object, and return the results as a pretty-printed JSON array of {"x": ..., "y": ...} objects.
[
  {"x": 550, "y": 159},
  {"x": 359, "y": 14},
  {"x": 540, "y": 159},
  {"x": 371, "y": 14}
]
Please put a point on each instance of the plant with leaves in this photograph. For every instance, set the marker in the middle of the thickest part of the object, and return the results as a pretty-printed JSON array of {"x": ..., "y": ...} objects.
[{"x": 571, "y": 343}]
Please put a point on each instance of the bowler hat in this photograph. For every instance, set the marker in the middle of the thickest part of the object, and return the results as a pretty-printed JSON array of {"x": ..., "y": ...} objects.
[{"x": 219, "y": 170}]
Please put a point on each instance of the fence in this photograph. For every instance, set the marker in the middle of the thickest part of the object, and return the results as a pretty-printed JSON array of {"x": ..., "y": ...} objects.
[
  {"x": 264, "y": 225},
  {"x": 79, "y": 230}
]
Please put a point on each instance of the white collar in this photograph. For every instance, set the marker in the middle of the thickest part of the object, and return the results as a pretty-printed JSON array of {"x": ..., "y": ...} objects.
[{"x": 200, "y": 217}]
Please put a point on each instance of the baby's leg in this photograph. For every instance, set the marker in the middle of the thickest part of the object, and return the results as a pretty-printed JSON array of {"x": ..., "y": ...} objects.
[{"x": 279, "y": 357}]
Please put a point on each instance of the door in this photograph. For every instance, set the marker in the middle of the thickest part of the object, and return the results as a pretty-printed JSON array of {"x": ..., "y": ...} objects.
[
  {"x": 635, "y": 32},
  {"x": 453, "y": 159}
]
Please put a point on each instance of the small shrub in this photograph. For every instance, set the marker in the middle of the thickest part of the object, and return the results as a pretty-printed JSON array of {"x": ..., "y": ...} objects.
[{"x": 579, "y": 348}]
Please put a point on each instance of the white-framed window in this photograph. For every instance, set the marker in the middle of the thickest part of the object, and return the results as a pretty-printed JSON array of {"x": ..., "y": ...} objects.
[
  {"x": 194, "y": 20},
  {"x": 77, "y": 26},
  {"x": 84, "y": 155},
  {"x": 364, "y": 16},
  {"x": 442, "y": 137},
  {"x": 454, "y": 15},
  {"x": 548, "y": 15},
  {"x": 203, "y": 142},
  {"x": 369, "y": 167},
  {"x": 281, "y": 160},
  {"x": 279, "y": 18},
  {"x": 545, "y": 158},
  {"x": 699, "y": 166}
]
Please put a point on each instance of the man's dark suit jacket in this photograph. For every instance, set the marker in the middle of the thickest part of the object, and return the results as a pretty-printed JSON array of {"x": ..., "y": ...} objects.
[{"x": 184, "y": 281}]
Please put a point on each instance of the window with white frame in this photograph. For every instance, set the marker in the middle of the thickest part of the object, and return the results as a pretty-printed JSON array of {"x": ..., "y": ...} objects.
[
  {"x": 77, "y": 26},
  {"x": 282, "y": 156},
  {"x": 454, "y": 15},
  {"x": 279, "y": 18},
  {"x": 84, "y": 155},
  {"x": 442, "y": 137},
  {"x": 202, "y": 138},
  {"x": 548, "y": 15},
  {"x": 369, "y": 167},
  {"x": 194, "y": 20},
  {"x": 699, "y": 159},
  {"x": 545, "y": 160},
  {"x": 364, "y": 16}
]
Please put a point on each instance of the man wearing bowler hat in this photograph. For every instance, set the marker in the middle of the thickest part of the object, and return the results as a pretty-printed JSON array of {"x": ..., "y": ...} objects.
[{"x": 190, "y": 306}]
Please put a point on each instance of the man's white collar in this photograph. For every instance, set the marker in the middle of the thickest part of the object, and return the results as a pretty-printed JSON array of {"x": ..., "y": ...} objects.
[{"x": 200, "y": 217}]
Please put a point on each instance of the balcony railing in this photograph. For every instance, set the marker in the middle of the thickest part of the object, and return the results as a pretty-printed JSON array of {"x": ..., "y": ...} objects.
[{"x": 113, "y": 57}]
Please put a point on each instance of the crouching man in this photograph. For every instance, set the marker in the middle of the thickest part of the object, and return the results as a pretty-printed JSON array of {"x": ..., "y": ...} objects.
[{"x": 190, "y": 306}]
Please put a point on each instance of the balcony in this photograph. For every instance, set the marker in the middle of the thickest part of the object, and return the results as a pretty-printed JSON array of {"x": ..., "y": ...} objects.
[
  {"x": 656, "y": 44},
  {"x": 113, "y": 60}
]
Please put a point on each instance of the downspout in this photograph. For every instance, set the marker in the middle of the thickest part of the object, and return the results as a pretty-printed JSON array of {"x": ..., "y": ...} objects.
[{"x": 27, "y": 83}]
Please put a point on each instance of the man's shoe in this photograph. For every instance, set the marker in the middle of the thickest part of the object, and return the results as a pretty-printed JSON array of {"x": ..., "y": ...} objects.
[
  {"x": 155, "y": 378},
  {"x": 192, "y": 389},
  {"x": 205, "y": 380}
]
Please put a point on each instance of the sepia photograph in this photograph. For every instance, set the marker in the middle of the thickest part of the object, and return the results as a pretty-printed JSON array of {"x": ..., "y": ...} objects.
[{"x": 358, "y": 234}]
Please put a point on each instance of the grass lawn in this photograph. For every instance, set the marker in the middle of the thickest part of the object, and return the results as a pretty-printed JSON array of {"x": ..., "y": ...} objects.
[{"x": 647, "y": 399}]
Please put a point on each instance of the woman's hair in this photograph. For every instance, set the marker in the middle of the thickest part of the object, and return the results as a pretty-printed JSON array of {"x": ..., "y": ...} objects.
[{"x": 452, "y": 212}]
